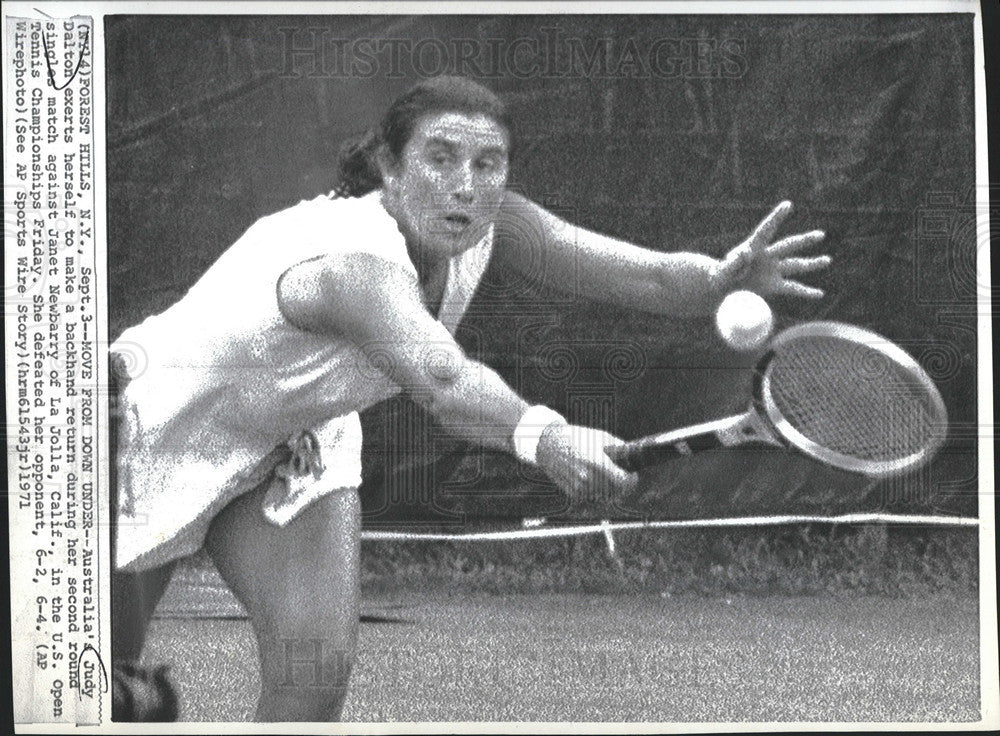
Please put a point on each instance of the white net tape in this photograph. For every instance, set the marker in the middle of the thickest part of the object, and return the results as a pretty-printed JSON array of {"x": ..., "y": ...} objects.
[{"x": 534, "y": 529}]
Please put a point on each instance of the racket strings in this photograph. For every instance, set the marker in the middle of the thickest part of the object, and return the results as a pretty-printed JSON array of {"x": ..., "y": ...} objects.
[{"x": 852, "y": 399}]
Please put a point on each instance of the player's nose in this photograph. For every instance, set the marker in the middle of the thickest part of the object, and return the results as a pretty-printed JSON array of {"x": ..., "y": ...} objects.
[{"x": 464, "y": 185}]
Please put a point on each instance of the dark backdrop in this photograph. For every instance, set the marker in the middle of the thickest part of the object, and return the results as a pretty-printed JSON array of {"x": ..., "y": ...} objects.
[{"x": 865, "y": 123}]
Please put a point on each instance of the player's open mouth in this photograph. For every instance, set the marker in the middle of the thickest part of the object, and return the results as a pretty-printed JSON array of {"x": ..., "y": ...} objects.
[{"x": 457, "y": 220}]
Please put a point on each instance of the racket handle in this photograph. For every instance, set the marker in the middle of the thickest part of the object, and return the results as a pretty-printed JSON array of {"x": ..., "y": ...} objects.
[
  {"x": 648, "y": 451},
  {"x": 657, "y": 448}
]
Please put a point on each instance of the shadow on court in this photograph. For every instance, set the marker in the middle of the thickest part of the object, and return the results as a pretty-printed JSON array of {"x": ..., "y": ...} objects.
[{"x": 622, "y": 658}]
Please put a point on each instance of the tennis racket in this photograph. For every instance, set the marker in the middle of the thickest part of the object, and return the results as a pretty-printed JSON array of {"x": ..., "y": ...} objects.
[{"x": 838, "y": 393}]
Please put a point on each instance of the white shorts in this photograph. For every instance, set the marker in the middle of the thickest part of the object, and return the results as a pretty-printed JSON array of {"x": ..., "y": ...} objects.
[{"x": 152, "y": 530}]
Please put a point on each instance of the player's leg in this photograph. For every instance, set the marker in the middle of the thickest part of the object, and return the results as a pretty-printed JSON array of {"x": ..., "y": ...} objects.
[
  {"x": 133, "y": 599},
  {"x": 300, "y": 585},
  {"x": 139, "y": 693}
]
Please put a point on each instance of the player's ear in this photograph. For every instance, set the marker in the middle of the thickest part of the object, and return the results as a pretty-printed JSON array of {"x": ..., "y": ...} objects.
[{"x": 387, "y": 164}]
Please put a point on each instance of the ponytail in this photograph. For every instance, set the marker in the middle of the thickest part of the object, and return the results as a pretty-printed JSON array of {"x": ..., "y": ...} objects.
[{"x": 357, "y": 173}]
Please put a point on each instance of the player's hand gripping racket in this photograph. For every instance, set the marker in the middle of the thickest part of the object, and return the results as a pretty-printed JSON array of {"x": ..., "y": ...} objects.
[{"x": 840, "y": 394}]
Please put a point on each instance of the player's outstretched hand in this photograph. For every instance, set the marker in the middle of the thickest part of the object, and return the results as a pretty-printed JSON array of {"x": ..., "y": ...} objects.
[
  {"x": 762, "y": 266},
  {"x": 574, "y": 458}
]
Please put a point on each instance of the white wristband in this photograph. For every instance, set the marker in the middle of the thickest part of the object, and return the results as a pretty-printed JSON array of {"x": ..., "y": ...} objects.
[{"x": 529, "y": 431}]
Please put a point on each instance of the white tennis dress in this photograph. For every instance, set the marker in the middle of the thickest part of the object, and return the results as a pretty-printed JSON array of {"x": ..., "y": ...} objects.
[{"x": 220, "y": 379}]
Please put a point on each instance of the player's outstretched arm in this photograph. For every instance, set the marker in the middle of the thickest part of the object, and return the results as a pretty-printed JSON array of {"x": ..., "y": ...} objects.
[
  {"x": 376, "y": 305},
  {"x": 603, "y": 268}
]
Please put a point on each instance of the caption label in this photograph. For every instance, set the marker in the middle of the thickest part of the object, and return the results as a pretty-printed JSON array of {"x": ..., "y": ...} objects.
[{"x": 52, "y": 386}]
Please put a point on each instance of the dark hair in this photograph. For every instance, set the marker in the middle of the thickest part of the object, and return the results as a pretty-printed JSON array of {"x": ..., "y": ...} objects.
[{"x": 358, "y": 172}]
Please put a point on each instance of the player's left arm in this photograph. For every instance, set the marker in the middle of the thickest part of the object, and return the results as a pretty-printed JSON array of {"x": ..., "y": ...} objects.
[{"x": 596, "y": 266}]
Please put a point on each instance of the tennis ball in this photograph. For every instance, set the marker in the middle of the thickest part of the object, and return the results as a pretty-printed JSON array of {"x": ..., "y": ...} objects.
[{"x": 744, "y": 320}]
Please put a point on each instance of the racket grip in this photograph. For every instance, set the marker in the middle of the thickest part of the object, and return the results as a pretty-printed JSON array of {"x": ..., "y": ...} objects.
[{"x": 643, "y": 453}]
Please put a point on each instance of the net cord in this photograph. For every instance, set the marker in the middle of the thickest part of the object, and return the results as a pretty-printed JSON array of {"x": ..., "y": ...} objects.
[{"x": 606, "y": 527}]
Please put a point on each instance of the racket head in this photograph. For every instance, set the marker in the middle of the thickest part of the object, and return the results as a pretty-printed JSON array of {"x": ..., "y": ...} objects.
[{"x": 851, "y": 398}]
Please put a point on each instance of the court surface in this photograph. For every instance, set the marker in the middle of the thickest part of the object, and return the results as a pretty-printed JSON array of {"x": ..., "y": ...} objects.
[{"x": 444, "y": 657}]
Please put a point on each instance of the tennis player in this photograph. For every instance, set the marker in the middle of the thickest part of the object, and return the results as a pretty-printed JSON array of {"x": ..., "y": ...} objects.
[{"x": 240, "y": 433}]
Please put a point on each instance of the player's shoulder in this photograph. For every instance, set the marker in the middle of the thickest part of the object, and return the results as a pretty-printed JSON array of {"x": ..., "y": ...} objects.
[
  {"x": 332, "y": 225},
  {"x": 358, "y": 244},
  {"x": 328, "y": 210},
  {"x": 350, "y": 287}
]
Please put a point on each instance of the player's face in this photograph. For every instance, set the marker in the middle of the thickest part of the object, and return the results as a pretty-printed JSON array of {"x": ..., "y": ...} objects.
[{"x": 447, "y": 186}]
